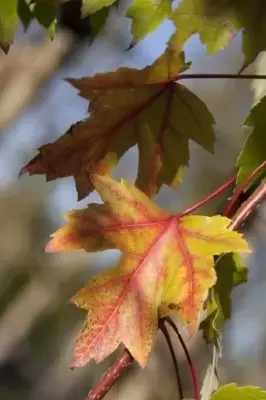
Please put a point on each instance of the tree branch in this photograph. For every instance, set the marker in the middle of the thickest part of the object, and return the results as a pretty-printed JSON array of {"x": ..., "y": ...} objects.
[
  {"x": 241, "y": 189},
  {"x": 249, "y": 206},
  {"x": 211, "y": 196}
]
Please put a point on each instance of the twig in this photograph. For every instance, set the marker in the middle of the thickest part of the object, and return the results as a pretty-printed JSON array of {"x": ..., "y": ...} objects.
[
  {"x": 218, "y": 76},
  {"x": 249, "y": 206},
  {"x": 190, "y": 363},
  {"x": 241, "y": 189},
  {"x": 111, "y": 376},
  {"x": 171, "y": 349},
  {"x": 211, "y": 196}
]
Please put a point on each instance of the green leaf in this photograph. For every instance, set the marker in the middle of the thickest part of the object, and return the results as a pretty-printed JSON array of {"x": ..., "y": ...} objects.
[
  {"x": 98, "y": 20},
  {"x": 230, "y": 273},
  {"x": 210, "y": 19},
  {"x": 91, "y": 6},
  {"x": 253, "y": 19},
  {"x": 254, "y": 150},
  {"x": 8, "y": 23},
  {"x": 147, "y": 16},
  {"x": 25, "y": 14},
  {"x": 46, "y": 15},
  {"x": 218, "y": 21},
  {"x": 232, "y": 392}
]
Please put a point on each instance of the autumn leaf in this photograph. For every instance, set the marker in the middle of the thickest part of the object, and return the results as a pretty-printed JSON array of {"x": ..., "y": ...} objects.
[
  {"x": 122, "y": 305},
  {"x": 147, "y": 16},
  {"x": 218, "y": 22},
  {"x": 85, "y": 230},
  {"x": 254, "y": 150},
  {"x": 130, "y": 107},
  {"x": 231, "y": 391},
  {"x": 230, "y": 273},
  {"x": 166, "y": 266}
]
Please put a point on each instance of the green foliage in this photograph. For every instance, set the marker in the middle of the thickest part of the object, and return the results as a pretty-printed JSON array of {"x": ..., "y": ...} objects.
[
  {"x": 90, "y": 7},
  {"x": 254, "y": 149},
  {"x": 214, "y": 22},
  {"x": 230, "y": 273},
  {"x": 233, "y": 392},
  {"x": 25, "y": 14},
  {"x": 8, "y": 22},
  {"x": 98, "y": 20},
  {"x": 45, "y": 14},
  {"x": 147, "y": 15},
  {"x": 218, "y": 21}
]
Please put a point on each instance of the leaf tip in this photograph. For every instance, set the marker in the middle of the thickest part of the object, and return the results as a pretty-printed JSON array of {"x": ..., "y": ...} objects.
[
  {"x": 131, "y": 46},
  {"x": 50, "y": 247},
  {"x": 33, "y": 167},
  {"x": 5, "y": 47}
]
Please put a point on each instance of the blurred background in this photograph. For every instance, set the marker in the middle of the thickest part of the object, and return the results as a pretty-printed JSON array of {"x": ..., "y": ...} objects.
[{"x": 37, "y": 326}]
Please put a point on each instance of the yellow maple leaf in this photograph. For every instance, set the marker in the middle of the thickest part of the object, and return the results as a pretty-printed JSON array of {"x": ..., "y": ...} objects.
[{"x": 167, "y": 266}]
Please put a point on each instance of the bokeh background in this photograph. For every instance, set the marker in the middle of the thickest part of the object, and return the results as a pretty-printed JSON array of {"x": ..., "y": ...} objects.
[{"x": 37, "y": 326}]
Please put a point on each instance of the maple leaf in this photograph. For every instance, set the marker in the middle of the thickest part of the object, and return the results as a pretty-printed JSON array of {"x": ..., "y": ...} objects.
[
  {"x": 254, "y": 150},
  {"x": 147, "y": 16},
  {"x": 166, "y": 266},
  {"x": 218, "y": 22},
  {"x": 125, "y": 106},
  {"x": 230, "y": 273},
  {"x": 122, "y": 305},
  {"x": 85, "y": 230},
  {"x": 231, "y": 391}
]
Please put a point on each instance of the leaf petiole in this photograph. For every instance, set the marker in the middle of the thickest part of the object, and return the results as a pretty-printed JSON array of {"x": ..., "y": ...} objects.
[
  {"x": 189, "y": 360},
  {"x": 173, "y": 355}
]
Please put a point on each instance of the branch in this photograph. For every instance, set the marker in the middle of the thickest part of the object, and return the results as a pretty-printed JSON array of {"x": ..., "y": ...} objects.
[
  {"x": 211, "y": 196},
  {"x": 249, "y": 206},
  {"x": 218, "y": 76},
  {"x": 241, "y": 189},
  {"x": 111, "y": 376}
]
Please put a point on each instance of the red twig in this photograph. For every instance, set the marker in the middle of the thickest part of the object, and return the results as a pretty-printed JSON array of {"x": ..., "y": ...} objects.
[
  {"x": 190, "y": 363},
  {"x": 238, "y": 192},
  {"x": 172, "y": 351},
  {"x": 111, "y": 376},
  {"x": 211, "y": 196},
  {"x": 249, "y": 206}
]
